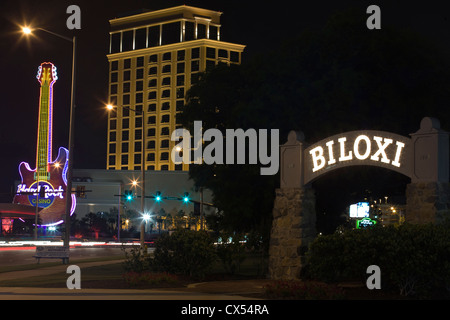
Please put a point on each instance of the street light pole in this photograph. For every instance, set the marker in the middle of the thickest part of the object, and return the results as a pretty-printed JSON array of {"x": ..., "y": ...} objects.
[{"x": 71, "y": 143}]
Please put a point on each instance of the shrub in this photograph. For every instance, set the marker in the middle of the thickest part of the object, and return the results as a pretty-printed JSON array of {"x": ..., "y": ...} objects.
[
  {"x": 303, "y": 290},
  {"x": 136, "y": 259},
  {"x": 186, "y": 252},
  {"x": 415, "y": 259},
  {"x": 232, "y": 253}
]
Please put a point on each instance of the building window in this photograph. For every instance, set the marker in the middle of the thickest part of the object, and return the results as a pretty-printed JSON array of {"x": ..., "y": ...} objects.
[
  {"x": 181, "y": 55},
  {"x": 151, "y": 120},
  {"x": 140, "y": 39},
  {"x": 125, "y": 135},
  {"x": 152, "y": 107},
  {"x": 127, "y": 63},
  {"x": 138, "y": 134},
  {"x": 151, "y": 145},
  {"x": 151, "y": 132},
  {"x": 195, "y": 65},
  {"x": 152, "y": 95},
  {"x": 153, "y": 36},
  {"x": 140, "y": 73},
  {"x": 165, "y": 143},
  {"x": 125, "y": 123},
  {"x": 165, "y": 106},
  {"x": 124, "y": 159},
  {"x": 153, "y": 58},
  {"x": 126, "y": 87},
  {"x": 171, "y": 32},
  {"x": 137, "y": 158},
  {"x": 114, "y": 77},
  {"x": 165, "y": 93},
  {"x": 137, "y": 146},
  {"x": 115, "y": 42},
  {"x": 152, "y": 71},
  {"x": 138, "y": 122},
  {"x": 210, "y": 53},
  {"x": 152, "y": 83},
  {"x": 201, "y": 31},
  {"x": 213, "y": 32},
  {"x": 126, "y": 75},
  {"x": 167, "y": 56},
  {"x": 180, "y": 67},
  {"x": 164, "y": 156},
  {"x": 180, "y": 80},
  {"x": 164, "y": 167},
  {"x": 127, "y": 40},
  {"x": 112, "y": 160},
  {"x": 166, "y": 81},
  {"x": 139, "y": 97},
  {"x": 189, "y": 31},
  {"x": 115, "y": 65},
  {"x": 195, "y": 53},
  {"x": 124, "y": 147},
  {"x": 151, "y": 157},
  {"x": 112, "y": 136},
  {"x": 165, "y": 118},
  {"x": 166, "y": 68},
  {"x": 165, "y": 131},
  {"x": 112, "y": 148},
  {"x": 126, "y": 99}
]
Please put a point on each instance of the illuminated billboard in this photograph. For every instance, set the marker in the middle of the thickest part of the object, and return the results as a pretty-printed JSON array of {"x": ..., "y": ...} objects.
[{"x": 359, "y": 210}]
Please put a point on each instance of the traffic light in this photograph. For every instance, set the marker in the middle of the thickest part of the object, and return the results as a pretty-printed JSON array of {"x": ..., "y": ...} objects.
[
  {"x": 128, "y": 195},
  {"x": 186, "y": 197},
  {"x": 158, "y": 197}
]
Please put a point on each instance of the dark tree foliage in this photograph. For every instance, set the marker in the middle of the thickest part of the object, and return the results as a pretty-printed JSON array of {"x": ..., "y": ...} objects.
[{"x": 341, "y": 78}]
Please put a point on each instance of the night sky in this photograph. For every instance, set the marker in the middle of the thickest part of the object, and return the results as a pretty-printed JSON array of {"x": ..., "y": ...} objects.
[{"x": 259, "y": 25}]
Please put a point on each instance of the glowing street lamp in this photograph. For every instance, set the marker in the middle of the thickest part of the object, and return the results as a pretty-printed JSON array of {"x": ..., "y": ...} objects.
[{"x": 26, "y": 30}]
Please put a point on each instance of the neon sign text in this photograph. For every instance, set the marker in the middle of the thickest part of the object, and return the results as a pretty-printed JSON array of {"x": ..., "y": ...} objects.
[{"x": 375, "y": 148}]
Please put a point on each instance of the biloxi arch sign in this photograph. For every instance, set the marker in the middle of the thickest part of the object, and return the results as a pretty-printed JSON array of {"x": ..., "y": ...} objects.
[{"x": 423, "y": 157}]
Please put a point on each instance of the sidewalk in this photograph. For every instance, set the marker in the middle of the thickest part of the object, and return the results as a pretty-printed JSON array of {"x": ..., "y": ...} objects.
[{"x": 215, "y": 290}]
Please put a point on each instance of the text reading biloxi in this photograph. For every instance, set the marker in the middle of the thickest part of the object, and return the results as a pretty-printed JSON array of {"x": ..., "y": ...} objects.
[{"x": 238, "y": 144}]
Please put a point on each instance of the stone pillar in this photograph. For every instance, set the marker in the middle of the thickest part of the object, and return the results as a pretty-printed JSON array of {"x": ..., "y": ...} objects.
[
  {"x": 294, "y": 214},
  {"x": 427, "y": 202},
  {"x": 293, "y": 229},
  {"x": 427, "y": 196}
]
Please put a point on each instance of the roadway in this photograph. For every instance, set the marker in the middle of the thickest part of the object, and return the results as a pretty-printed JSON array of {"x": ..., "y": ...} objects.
[{"x": 11, "y": 256}]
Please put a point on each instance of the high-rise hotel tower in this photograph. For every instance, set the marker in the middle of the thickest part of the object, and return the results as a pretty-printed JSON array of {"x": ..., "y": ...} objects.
[{"x": 154, "y": 58}]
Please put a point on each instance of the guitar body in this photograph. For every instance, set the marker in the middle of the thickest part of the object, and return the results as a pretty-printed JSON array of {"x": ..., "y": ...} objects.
[
  {"x": 53, "y": 202},
  {"x": 46, "y": 185}
]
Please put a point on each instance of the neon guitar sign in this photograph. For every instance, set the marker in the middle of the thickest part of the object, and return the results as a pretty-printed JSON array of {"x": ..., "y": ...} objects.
[{"x": 45, "y": 186}]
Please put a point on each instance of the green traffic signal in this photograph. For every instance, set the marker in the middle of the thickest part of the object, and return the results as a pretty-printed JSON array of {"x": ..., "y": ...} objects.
[
  {"x": 128, "y": 195},
  {"x": 186, "y": 197}
]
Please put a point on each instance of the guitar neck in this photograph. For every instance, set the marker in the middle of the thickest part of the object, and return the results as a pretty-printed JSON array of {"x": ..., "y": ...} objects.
[{"x": 43, "y": 154}]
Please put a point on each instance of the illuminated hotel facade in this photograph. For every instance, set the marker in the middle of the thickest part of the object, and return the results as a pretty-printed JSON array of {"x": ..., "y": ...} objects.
[{"x": 154, "y": 58}]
